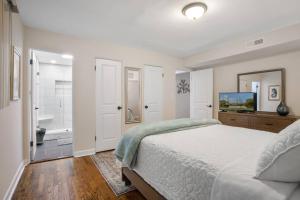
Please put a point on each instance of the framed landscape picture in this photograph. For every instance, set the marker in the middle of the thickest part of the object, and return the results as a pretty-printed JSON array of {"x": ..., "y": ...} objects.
[
  {"x": 15, "y": 74},
  {"x": 274, "y": 93}
]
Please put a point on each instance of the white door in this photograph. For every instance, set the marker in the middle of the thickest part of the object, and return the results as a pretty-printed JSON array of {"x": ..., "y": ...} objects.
[
  {"x": 153, "y": 91},
  {"x": 34, "y": 100},
  {"x": 108, "y": 104},
  {"x": 201, "y": 94}
]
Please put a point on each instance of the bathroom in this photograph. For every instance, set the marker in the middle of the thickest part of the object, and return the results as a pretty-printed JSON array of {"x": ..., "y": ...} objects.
[{"x": 51, "y": 105}]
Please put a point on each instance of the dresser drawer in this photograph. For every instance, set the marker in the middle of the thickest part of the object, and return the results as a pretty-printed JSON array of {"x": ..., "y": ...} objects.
[
  {"x": 234, "y": 120},
  {"x": 260, "y": 121},
  {"x": 270, "y": 124}
]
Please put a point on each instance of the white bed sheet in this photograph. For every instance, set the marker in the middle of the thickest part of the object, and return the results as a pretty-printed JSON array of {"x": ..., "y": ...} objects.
[
  {"x": 296, "y": 194},
  {"x": 186, "y": 164}
]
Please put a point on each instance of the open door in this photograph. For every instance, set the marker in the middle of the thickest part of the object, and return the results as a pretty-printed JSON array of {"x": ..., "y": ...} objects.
[
  {"x": 34, "y": 100},
  {"x": 201, "y": 95}
]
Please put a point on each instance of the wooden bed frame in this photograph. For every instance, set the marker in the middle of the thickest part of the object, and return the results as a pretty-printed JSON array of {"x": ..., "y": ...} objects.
[{"x": 130, "y": 177}]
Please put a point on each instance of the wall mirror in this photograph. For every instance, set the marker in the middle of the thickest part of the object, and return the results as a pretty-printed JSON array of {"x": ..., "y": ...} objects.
[
  {"x": 132, "y": 95},
  {"x": 269, "y": 85}
]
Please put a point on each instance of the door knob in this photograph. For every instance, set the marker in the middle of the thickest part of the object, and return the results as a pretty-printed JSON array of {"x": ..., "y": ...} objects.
[
  {"x": 209, "y": 106},
  {"x": 146, "y": 107},
  {"x": 119, "y": 107}
]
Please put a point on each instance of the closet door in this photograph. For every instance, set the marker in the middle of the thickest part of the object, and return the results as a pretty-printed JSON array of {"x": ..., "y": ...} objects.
[
  {"x": 201, "y": 95},
  {"x": 153, "y": 91},
  {"x": 108, "y": 104}
]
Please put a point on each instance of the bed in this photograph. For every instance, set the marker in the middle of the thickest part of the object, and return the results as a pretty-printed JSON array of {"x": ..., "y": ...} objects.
[{"x": 209, "y": 163}]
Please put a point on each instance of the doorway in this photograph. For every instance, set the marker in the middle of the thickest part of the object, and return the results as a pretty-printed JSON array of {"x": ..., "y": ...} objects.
[
  {"x": 51, "y": 106},
  {"x": 182, "y": 94}
]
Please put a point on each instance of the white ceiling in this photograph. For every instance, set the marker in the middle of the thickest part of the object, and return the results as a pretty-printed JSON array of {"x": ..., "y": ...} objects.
[
  {"x": 48, "y": 57},
  {"x": 158, "y": 24}
]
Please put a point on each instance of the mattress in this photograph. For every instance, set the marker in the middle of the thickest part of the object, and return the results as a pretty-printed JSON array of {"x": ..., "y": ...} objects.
[{"x": 187, "y": 164}]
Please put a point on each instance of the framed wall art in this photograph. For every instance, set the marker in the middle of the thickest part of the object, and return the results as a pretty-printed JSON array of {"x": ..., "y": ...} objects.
[{"x": 16, "y": 74}]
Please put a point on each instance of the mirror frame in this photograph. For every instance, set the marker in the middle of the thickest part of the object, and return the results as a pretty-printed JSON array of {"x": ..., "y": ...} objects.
[
  {"x": 282, "y": 70},
  {"x": 126, "y": 93}
]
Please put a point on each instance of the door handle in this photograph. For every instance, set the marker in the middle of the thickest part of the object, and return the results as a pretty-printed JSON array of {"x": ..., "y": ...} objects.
[
  {"x": 209, "y": 106},
  {"x": 36, "y": 108},
  {"x": 119, "y": 107},
  {"x": 146, "y": 107}
]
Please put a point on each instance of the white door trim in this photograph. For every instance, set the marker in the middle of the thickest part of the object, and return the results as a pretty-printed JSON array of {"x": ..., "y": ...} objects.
[{"x": 28, "y": 95}]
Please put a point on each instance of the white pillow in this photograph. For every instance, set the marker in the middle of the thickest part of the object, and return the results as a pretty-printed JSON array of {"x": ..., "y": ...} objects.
[{"x": 280, "y": 160}]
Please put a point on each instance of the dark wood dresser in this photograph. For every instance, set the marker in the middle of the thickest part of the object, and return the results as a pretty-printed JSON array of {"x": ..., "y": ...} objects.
[{"x": 259, "y": 121}]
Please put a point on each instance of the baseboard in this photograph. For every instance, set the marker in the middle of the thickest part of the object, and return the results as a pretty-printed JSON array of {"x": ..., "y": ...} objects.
[
  {"x": 13, "y": 184},
  {"x": 86, "y": 152},
  {"x": 26, "y": 162}
]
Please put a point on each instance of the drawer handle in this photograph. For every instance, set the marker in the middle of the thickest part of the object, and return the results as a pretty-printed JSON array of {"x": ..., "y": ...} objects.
[
  {"x": 232, "y": 119},
  {"x": 269, "y": 124}
]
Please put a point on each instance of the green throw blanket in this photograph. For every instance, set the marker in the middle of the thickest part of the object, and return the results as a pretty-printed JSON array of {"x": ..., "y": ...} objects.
[{"x": 127, "y": 148}]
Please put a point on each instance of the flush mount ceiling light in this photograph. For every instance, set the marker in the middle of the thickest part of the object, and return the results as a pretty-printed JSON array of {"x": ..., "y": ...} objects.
[
  {"x": 194, "y": 10},
  {"x": 67, "y": 56}
]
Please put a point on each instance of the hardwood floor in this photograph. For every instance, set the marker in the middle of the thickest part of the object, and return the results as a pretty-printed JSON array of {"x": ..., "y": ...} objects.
[{"x": 71, "y": 178}]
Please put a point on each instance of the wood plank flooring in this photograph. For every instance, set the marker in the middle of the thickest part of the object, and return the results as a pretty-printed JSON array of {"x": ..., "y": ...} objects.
[{"x": 71, "y": 178}]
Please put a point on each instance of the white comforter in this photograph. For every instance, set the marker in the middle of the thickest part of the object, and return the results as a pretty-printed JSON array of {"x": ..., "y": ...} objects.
[{"x": 210, "y": 163}]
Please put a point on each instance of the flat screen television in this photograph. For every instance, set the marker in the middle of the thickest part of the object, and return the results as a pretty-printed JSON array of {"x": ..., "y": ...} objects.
[{"x": 237, "y": 101}]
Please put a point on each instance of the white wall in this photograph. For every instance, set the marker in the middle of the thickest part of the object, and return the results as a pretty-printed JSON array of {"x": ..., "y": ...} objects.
[
  {"x": 279, "y": 50},
  {"x": 11, "y": 130},
  {"x": 182, "y": 100},
  {"x": 85, "y": 52},
  {"x": 225, "y": 77},
  {"x": 240, "y": 49}
]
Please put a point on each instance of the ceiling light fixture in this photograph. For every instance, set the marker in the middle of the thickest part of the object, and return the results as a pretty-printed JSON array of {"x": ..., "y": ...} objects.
[
  {"x": 53, "y": 61},
  {"x": 67, "y": 56},
  {"x": 194, "y": 10}
]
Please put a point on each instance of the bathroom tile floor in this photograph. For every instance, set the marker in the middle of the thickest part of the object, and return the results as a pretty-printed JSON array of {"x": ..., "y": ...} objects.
[{"x": 52, "y": 150}]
